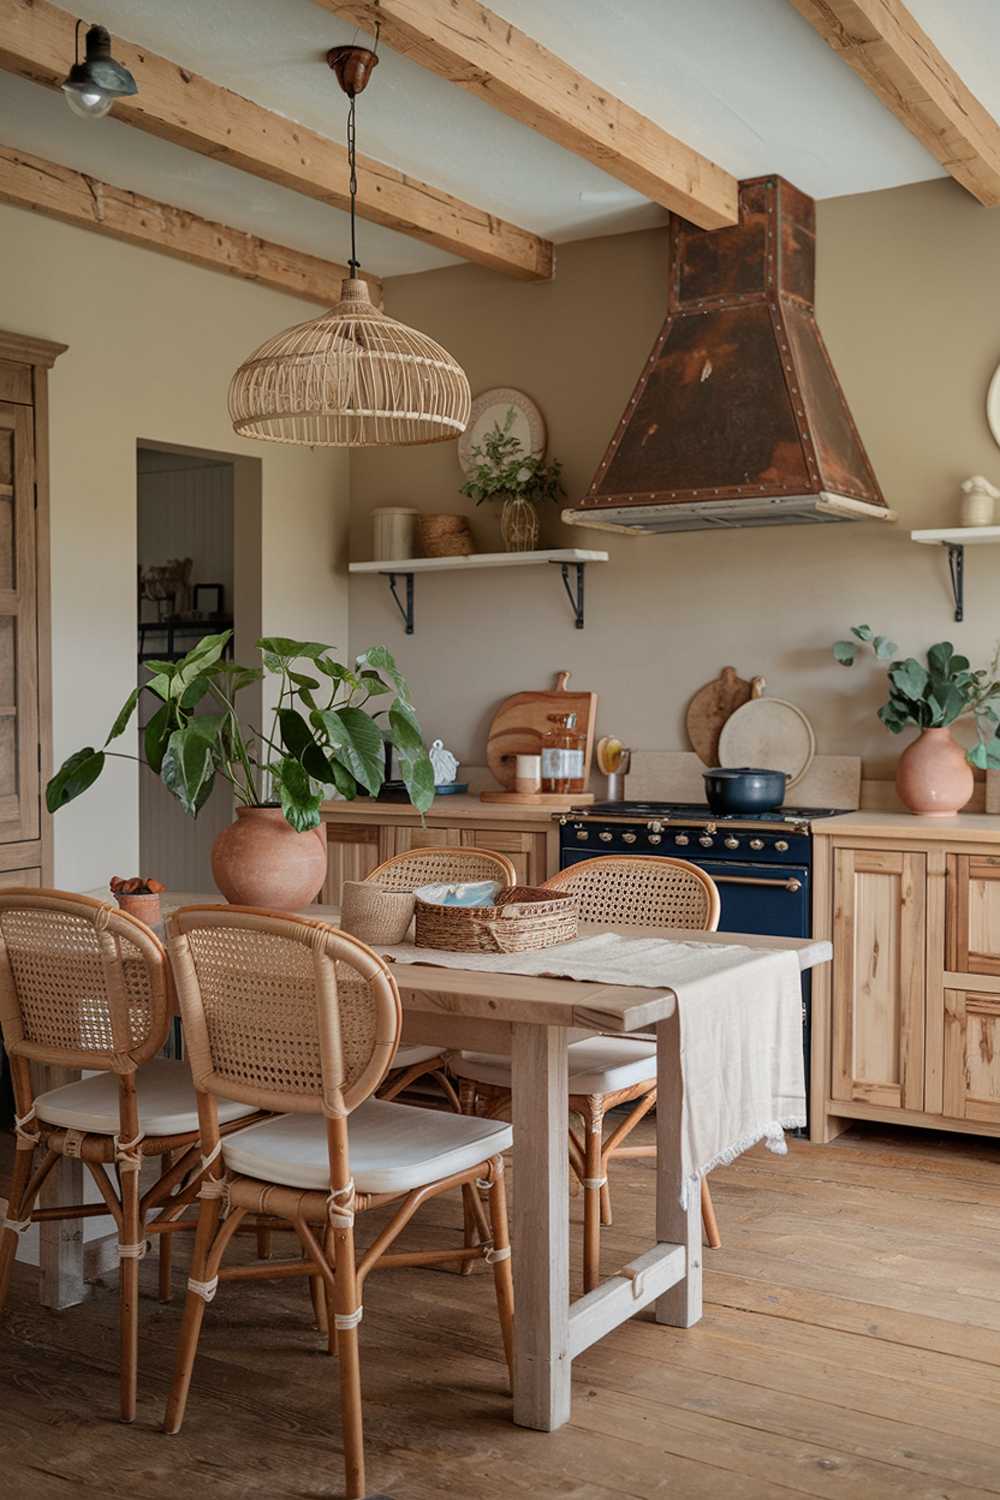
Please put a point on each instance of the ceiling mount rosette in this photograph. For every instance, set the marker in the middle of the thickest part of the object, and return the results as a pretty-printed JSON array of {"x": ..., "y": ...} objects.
[{"x": 352, "y": 378}]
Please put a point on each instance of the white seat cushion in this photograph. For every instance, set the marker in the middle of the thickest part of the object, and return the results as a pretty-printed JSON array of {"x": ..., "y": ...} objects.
[
  {"x": 167, "y": 1103},
  {"x": 407, "y": 1057},
  {"x": 599, "y": 1065},
  {"x": 393, "y": 1147}
]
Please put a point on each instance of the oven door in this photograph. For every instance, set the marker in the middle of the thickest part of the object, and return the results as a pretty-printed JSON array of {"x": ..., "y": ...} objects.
[{"x": 770, "y": 900}]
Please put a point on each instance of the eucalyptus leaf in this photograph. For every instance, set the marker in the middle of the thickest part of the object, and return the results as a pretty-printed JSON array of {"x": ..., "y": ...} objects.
[
  {"x": 845, "y": 652},
  {"x": 863, "y": 632},
  {"x": 885, "y": 649}
]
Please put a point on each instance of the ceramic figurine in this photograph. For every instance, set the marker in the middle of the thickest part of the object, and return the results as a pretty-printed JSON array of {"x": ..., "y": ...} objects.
[
  {"x": 978, "y": 496},
  {"x": 444, "y": 764}
]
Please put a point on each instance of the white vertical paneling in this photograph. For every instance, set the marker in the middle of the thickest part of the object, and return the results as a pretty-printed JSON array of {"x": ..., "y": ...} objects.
[{"x": 185, "y": 510}]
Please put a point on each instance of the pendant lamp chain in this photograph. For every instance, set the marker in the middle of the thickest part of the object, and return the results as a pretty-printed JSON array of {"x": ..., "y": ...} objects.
[{"x": 354, "y": 377}]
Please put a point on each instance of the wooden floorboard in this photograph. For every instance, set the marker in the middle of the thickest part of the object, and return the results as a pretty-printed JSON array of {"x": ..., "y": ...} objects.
[{"x": 850, "y": 1350}]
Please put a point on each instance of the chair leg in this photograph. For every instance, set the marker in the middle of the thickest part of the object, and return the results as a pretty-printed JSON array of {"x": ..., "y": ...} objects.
[
  {"x": 164, "y": 1249},
  {"x": 194, "y": 1311},
  {"x": 502, "y": 1277},
  {"x": 708, "y": 1218},
  {"x": 606, "y": 1216},
  {"x": 129, "y": 1235},
  {"x": 264, "y": 1244},
  {"x": 595, "y": 1170},
  {"x": 17, "y": 1209},
  {"x": 346, "y": 1299}
]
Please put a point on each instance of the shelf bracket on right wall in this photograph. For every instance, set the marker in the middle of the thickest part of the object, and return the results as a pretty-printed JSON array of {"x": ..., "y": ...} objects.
[{"x": 956, "y": 567}]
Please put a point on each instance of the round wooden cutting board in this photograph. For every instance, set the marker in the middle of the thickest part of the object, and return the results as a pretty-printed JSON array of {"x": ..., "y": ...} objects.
[{"x": 710, "y": 708}]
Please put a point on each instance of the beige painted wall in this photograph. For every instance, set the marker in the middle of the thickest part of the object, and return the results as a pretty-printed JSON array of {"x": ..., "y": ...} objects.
[
  {"x": 907, "y": 300},
  {"x": 153, "y": 344}
]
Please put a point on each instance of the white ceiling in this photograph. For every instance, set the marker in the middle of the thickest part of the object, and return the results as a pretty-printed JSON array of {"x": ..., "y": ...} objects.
[{"x": 746, "y": 82}]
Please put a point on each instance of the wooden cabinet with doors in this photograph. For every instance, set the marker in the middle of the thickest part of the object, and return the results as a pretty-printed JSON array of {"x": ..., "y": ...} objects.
[
  {"x": 360, "y": 836},
  {"x": 25, "y": 687},
  {"x": 906, "y": 1020}
]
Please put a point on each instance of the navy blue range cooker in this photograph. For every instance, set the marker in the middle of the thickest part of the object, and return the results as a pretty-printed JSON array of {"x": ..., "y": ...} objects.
[{"x": 761, "y": 863}]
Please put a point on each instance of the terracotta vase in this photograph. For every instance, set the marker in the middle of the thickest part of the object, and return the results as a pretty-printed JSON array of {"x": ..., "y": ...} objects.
[
  {"x": 260, "y": 861},
  {"x": 146, "y": 908},
  {"x": 933, "y": 777}
]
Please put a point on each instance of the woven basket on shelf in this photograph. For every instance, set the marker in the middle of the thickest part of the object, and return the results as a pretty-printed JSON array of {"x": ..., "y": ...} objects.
[
  {"x": 523, "y": 918},
  {"x": 444, "y": 536}
]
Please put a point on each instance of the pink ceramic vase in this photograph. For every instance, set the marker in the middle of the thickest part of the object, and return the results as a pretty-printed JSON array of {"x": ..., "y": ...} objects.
[
  {"x": 933, "y": 777},
  {"x": 261, "y": 861}
]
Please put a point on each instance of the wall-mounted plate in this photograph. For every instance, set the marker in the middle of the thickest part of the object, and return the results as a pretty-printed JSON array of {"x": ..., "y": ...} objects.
[
  {"x": 491, "y": 408},
  {"x": 993, "y": 405}
]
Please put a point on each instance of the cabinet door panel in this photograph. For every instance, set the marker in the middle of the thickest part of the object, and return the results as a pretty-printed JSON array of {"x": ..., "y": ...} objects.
[
  {"x": 972, "y": 1056},
  {"x": 973, "y": 937},
  {"x": 352, "y": 853},
  {"x": 879, "y": 977},
  {"x": 401, "y": 840},
  {"x": 526, "y": 851},
  {"x": 19, "y": 773}
]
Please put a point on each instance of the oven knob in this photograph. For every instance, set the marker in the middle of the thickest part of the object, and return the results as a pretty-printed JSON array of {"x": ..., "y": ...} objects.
[
  {"x": 681, "y": 838},
  {"x": 629, "y": 838},
  {"x": 655, "y": 826},
  {"x": 781, "y": 845},
  {"x": 605, "y": 837},
  {"x": 732, "y": 843},
  {"x": 656, "y": 838},
  {"x": 756, "y": 843},
  {"x": 705, "y": 841},
  {"x": 582, "y": 834}
]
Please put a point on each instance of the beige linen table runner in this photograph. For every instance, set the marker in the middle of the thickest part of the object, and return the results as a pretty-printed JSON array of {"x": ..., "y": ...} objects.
[{"x": 740, "y": 1029}]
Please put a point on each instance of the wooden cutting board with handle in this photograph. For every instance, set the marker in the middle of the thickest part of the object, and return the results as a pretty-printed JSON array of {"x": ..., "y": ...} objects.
[
  {"x": 521, "y": 721},
  {"x": 711, "y": 706}
]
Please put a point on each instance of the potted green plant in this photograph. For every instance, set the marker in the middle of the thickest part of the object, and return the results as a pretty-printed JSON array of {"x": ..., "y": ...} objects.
[
  {"x": 519, "y": 480},
  {"x": 934, "y": 774},
  {"x": 322, "y": 737}
]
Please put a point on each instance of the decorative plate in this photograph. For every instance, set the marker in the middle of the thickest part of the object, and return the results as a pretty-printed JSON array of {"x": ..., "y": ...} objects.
[
  {"x": 492, "y": 407},
  {"x": 992, "y": 405},
  {"x": 770, "y": 734}
]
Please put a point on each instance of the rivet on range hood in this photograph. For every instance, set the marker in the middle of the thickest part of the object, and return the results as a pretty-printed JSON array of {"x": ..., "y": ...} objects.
[{"x": 738, "y": 418}]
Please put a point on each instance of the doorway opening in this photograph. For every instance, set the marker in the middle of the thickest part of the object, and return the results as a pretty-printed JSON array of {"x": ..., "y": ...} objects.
[{"x": 198, "y": 573}]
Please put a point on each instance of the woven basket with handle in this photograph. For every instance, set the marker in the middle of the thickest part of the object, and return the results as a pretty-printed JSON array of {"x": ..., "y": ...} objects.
[{"x": 523, "y": 918}]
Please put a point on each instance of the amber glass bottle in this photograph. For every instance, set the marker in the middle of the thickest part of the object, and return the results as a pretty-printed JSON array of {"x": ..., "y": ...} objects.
[{"x": 562, "y": 755}]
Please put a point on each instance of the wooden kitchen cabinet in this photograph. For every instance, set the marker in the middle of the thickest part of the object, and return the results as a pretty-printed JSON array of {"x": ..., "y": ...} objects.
[
  {"x": 879, "y": 974},
  {"x": 361, "y": 836},
  {"x": 906, "y": 1019}
]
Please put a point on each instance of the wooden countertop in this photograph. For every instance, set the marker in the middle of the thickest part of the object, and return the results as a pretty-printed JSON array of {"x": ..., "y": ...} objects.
[
  {"x": 463, "y": 808},
  {"x": 896, "y": 825}
]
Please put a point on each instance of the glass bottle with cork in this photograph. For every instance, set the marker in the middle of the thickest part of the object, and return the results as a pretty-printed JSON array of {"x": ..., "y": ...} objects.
[{"x": 562, "y": 755}]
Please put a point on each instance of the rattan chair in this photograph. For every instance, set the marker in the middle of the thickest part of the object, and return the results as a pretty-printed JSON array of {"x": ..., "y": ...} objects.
[
  {"x": 408, "y": 872},
  {"x": 82, "y": 985},
  {"x": 620, "y": 891},
  {"x": 290, "y": 1015}
]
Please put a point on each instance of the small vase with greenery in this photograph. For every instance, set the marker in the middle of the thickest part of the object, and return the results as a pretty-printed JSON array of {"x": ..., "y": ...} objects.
[
  {"x": 520, "y": 480},
  {"x": 934, "y": 775},
  {"x": 322, "y": 737}
]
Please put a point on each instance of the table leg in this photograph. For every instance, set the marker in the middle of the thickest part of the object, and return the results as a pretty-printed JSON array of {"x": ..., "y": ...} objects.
[
  {"x": 541, "y": 1227},
  {"x": 680, "y": 1305}
]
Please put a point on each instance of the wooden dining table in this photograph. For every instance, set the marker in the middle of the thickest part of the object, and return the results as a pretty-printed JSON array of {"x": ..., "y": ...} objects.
[{"x": 533, "y": 1020}]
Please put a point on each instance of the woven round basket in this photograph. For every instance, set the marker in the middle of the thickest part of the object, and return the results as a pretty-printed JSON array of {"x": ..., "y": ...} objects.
[
  {"x": 374, "y": 915},
  {"x": 444, "y": 536},
  {"x": 523, "y": 918}
]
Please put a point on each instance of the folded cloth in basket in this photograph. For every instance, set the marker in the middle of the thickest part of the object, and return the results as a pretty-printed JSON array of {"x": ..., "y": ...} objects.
[{"x": 469, "y": 893}]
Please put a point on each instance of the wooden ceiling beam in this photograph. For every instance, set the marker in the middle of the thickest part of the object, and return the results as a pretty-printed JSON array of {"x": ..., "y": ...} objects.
[
  {"x": 37, "y": 42},
  {"x": 884, "y": 45},
  {"x": 468, "y": 44},
  {"x": 76, "y": 198}
]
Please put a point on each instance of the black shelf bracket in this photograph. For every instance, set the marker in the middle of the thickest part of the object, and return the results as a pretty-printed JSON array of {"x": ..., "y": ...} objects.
[
  {"x": 405, "y": 610},
  {"x": 956, "y": 567},
  {"x": 576, "y": 600}
]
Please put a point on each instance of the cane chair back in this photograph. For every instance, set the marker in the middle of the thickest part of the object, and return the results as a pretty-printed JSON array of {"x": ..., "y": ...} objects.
[
  {"x": 82, "y": 984},
  {"x": 635, "y": 890},
  {"x": 417, "y": 867},
  {"x": 282, "y": 1012}
]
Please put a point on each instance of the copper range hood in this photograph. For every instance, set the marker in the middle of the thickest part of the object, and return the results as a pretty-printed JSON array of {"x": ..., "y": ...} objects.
[{"x": 738, "y": 418}]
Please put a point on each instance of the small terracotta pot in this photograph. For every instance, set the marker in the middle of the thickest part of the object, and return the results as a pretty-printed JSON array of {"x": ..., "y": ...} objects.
[
  {"x": 933, "y": 777},
  {"x": 146, "y": 908},
  {"x": 261, "y": 861}
]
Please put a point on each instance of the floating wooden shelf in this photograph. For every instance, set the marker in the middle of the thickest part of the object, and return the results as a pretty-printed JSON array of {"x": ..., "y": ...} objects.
[
  {"x": 406, "y": 567},
  {"x": 956, "y": 539}
]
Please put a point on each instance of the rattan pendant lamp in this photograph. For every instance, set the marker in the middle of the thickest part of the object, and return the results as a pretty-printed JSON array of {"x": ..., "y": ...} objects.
[{"x": 354, "y": 378}]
